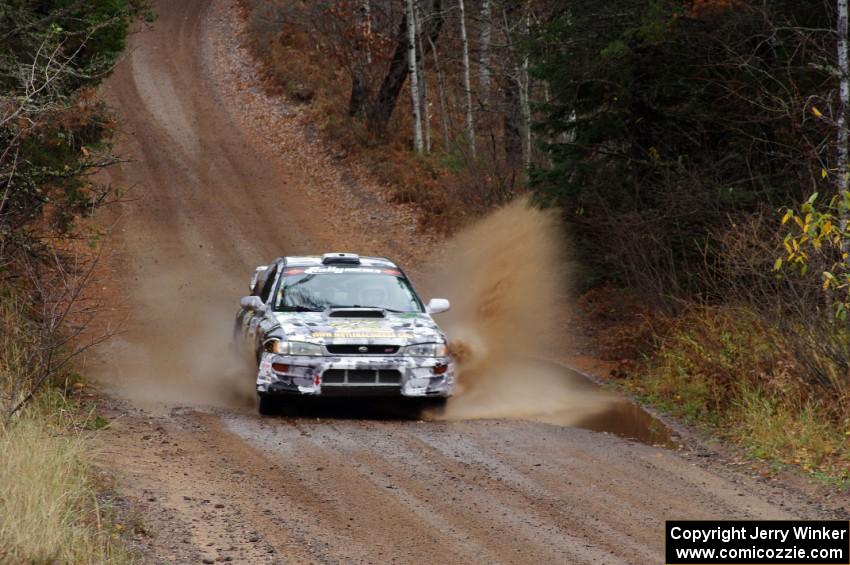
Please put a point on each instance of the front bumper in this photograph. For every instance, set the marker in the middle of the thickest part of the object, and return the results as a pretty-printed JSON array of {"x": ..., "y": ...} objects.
[{"x": 355, "y": 375}]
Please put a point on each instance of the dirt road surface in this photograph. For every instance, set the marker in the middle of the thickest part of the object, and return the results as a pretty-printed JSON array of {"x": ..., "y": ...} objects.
[{"x": 223, "y": 178}]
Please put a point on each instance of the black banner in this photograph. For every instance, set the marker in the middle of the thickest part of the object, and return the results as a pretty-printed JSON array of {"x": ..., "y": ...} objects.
[{"x": 768, "y": 542}]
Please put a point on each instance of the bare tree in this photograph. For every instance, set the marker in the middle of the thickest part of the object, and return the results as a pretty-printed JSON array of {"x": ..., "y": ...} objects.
[
  {"x": 467, "y": 87},
  {"x": 423, "y": 90},
  {"x": 366, "y": 18},
  {"x": 384, "y": 103},
  {"x": 524, "y": 93},
  {"x": 841, "y": 178},
  {"x": 413, "y": 71},
  {"x": 359, "y": 99},
  {"x": 441, "y": 95},
  {"x": 484, "y": 53},
  {"x": 512, "y": 121},
  {"x": 62, "y": 315}
]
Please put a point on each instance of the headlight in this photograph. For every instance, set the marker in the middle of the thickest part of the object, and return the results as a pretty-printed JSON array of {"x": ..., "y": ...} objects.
[
  {"x": 295, "y": 348},
  {"x": 427, "y": 350}
]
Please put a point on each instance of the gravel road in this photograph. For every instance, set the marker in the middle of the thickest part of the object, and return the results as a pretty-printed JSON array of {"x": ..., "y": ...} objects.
[{"x": 224, "y": 177}]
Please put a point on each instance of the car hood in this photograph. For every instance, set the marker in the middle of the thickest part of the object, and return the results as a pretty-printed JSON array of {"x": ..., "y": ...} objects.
[{"x": 395, "y": 329}]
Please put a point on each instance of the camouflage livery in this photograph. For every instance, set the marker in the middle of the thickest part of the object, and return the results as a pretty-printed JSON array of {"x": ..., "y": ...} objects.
[{"x": 353, "y": 350}]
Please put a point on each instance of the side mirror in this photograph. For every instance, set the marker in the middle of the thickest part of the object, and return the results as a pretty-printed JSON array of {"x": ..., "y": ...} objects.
[
  {"x": 437, "y": 305},
  {"x": 252, "y": 303}
]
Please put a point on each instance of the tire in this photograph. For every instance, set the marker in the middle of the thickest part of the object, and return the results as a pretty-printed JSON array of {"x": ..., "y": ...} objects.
[
  {"x": 268, "y": 405},
  {"x": 435, "y": 403}
]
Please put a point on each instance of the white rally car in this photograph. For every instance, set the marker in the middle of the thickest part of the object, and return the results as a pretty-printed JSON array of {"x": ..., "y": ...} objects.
[{"x": 340, "y": 324}]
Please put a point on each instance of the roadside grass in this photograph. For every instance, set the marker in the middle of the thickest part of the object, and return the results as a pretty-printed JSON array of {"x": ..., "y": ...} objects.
[
  {"x": 794, "y": 431},
  {"x": 49, "y": 509},
  {"x": 730, "y": 371}
]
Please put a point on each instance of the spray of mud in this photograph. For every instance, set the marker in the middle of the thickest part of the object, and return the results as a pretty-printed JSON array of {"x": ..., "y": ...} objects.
[
  {"x": 505, "y": 277},
  {"x": 508, "y": 285},
  {"x": 176, "y": 348}
]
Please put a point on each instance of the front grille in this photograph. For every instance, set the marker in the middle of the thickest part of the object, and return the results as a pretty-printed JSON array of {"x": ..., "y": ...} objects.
[
  {"x": 357, "y": 349},
  {"x": 333, "y": 376},
  {"x": 362, "y": 390},
  {"x": 361, "y": 377},
  {"x": 389, "y": 376}
]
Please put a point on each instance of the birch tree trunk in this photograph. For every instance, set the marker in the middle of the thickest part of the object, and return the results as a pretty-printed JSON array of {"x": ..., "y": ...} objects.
[
  {"x": 412, "y": 69},
  {"x": 841, "y": 178},
  {"x": 524, "y": 89},
  {"x": 441, "y": 95},
  {"x": 467, "y": 88},
  {"x": 484, "y": 53},
  {"x": 423, "y": 83}
]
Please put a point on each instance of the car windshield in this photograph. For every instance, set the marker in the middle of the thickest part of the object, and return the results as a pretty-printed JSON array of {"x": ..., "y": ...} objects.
[{"x": 317, "y": 288}]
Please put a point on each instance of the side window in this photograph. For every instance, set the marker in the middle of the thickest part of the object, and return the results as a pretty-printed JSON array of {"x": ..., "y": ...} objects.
[
  {"x": 267, "y": 286},
  {"x": 259, "y": 282}
]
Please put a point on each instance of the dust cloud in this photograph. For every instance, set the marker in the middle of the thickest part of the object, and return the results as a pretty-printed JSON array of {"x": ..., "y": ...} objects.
[
  {"x": 506, "y": 279},
  {"x": 177, "y": 347}
]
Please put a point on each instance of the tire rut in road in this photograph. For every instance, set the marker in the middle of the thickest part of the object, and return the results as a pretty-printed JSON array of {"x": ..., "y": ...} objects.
[
  {"x": 449, "y": 478},
  {"x": 342, "y": 492}
]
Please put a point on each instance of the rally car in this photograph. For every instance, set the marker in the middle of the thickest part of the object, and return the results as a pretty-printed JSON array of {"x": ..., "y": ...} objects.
[{"x": 340, "y": 324}]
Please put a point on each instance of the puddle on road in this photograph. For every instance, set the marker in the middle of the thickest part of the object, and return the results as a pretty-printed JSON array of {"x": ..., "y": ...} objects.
[
  {"x": 615, "y": 415},
  {"x": 627, "y": 420},
  {"x": 551, "y": 393}
]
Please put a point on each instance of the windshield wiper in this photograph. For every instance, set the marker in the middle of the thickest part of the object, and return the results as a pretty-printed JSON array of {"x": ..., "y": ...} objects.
[{"x": 299, "y": 309}]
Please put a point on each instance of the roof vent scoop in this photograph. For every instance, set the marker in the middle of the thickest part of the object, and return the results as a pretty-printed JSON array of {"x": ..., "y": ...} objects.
[{"x": 340, "y": 259}]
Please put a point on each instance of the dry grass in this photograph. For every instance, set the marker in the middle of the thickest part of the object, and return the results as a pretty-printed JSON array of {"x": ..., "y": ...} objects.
[
  {"x": 784, "y": 428},
  {"x": 49, "y": 512},
  {"x": 48, "y": 509},
  {"x": 731, "y": 371}
]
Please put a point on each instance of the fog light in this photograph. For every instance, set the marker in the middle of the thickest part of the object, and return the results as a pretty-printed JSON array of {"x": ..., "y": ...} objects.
[
  {"x": 280, "y": 367},
  {"x": 440, "y": 369}
]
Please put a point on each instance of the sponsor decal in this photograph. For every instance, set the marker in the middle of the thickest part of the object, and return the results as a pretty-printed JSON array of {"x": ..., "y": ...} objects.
[
  {"x": 358, "y": 326},
  {"x": 341, "y": 270},
  {"x": 366, "y": 333}
]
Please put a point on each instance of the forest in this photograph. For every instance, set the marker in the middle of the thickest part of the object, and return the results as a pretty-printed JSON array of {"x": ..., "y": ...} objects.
[{"x": 696, "y": 151}]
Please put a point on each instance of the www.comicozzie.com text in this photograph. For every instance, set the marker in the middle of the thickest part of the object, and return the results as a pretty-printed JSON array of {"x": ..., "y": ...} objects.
[{"x": 726, "y": 534}]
